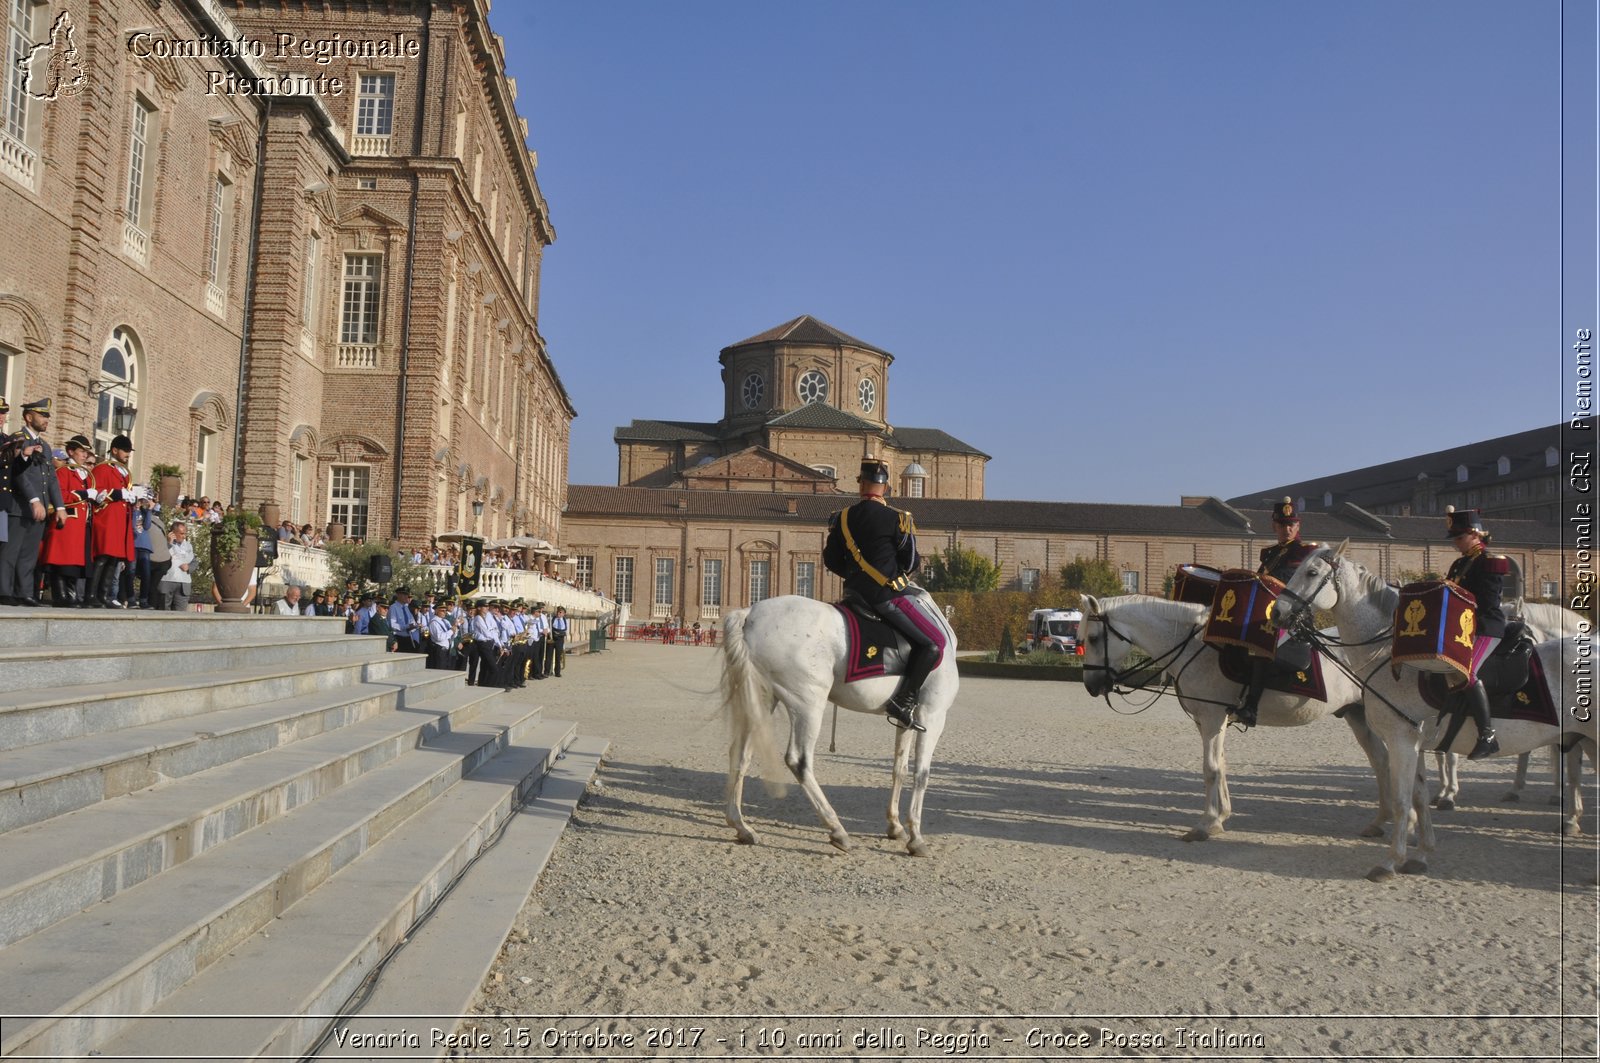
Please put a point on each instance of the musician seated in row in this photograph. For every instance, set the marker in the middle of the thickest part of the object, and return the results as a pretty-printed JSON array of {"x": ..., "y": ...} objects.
[{"x": 1279, "y": 562}]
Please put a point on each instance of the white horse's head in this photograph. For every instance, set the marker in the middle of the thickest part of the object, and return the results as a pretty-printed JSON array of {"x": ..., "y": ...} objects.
[
  {"x": 1314, "y": 586},
  {"x": 1104, "y": 649}
]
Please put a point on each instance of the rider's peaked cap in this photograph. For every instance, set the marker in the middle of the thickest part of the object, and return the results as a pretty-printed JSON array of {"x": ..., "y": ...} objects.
[
  {"x": 874, "y": 471},
  {"x": 1461, "y": 521},
  {"x": 1285, "y": 513}
]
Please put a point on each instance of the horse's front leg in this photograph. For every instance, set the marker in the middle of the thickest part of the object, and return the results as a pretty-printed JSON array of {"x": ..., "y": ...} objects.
[
  {"x": 1212, "y": 722},
  {"x": 1378, "y": 757},
  {"x": 917, "y": 845},
  {"x": 902, "y": 758},
  {"x": 806, "y": 726},
  {"x": 1409, "y": 794}
]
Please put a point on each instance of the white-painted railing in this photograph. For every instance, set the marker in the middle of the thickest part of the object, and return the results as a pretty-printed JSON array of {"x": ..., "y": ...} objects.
[
  {"x": 19, "y": 162},
  {"x": 360, "y": 145},
  {"x": 298, "y": 566},
  {"x": 135, "y": 243},
  {"x": 357, "y": 356},
  {"x": 216, "y": 300},
  {"x": 512, "y": 583}
]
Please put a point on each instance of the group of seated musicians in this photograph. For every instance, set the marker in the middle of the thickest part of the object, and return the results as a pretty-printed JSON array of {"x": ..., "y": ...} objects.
[{"x": 1476, "y": 571}]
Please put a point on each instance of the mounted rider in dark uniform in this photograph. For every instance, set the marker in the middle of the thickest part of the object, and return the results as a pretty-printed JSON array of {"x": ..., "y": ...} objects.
[
  {"x": 1279, "y": 562},
  {"x": 1482, "y": 575},
  {"x": 873, "y": 547}
]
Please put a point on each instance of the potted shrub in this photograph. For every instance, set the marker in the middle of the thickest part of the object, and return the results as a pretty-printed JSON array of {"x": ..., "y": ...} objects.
[
  {"x": 168, "y": 482},
  {"x": 234, "y": 542}
]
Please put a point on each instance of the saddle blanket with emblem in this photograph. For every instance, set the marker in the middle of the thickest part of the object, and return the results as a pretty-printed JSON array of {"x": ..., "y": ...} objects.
[
  {"x": 1304, "y": 682},
  {"x": 1531, "y": 702},
  {"x": 872, "y": 647}
]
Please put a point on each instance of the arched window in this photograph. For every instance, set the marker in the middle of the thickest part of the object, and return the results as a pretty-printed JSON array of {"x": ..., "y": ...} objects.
[
  {"x": 118, "y": 386},
  {"x": 1503, "y": 466}
]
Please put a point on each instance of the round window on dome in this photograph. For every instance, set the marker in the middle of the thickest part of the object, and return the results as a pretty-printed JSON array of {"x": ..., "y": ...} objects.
[
  {"x": 867, "y": 396},
  {"x": 813, "y": 386},
  {"x": 753, "y": 391}
]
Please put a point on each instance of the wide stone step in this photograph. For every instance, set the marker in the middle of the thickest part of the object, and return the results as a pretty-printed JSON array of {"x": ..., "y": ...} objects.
[
  {"x": 26, "y": 669},
  {"x": 57, "y": 627},
  {"x": 41, "y": 716},
  {"x": 278, "y": 988},
  {"x": 72, "y": 986},
  {"x": 435, "y": 978},
  {"x": 59, "y": 867}
]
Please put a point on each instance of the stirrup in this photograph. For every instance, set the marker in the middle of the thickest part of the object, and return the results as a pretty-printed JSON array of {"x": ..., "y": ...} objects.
[
  {"x": 1487, "y": 746},
  {"x": 903, "y": 713}
]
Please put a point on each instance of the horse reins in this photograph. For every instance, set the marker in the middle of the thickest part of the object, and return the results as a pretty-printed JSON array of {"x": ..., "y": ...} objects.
[{"x": 1156, "y": 665}]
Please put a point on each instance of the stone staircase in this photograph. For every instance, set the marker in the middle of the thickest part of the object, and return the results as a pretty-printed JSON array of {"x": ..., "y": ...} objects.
[{"x": 213, "y": 829}]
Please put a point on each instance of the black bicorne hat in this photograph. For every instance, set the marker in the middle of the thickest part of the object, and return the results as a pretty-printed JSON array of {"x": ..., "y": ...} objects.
[
  {"x": 122, "y": 443},
  {"x": 1285, "y": 513},
  {"x": 874, "y": 471},
  {"x": 1461, "y": 521},
  {"x": 79, "y": 441}
]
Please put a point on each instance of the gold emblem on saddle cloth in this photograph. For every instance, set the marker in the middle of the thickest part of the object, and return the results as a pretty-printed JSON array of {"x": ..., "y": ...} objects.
[
  {"x": 1229, "y": 600},
  {"x": 872, "y": 651},
  {"x": 1522, "y": 696},
  {"x": 1465, "y": 638},
  {"x": 1266, "y": 619},
  {"x": 1416, "y": 613}
]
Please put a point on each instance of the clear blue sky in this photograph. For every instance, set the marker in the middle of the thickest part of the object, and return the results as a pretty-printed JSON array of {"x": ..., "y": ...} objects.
[{"x": 1133, "y": 250}]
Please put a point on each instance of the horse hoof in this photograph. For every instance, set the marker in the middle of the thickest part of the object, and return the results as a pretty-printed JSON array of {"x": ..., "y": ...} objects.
[
  {"x": 1444, "y": 804},
  {"x": 1570, "y": 830},
  {"x": 1380, "y": 874},
  {"x": 1414, "y": 867},
  {"x": 1434, "y": 802},
  {"x": 895, "y": 833},
  {"x": 747, "y": 837},
  {"x": 840, "y": 842},
  {"x": 1197, "y": 834},
  {"x": 918, "y": 848}
]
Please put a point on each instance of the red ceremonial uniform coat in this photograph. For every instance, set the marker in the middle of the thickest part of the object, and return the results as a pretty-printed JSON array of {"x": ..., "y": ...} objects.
[
  {"x": 69, "y": 544},
  {"x": 111, "y": 532}
]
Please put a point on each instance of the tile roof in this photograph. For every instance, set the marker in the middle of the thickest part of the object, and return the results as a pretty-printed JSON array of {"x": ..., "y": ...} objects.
[
  {"x": 806, "y": 329},
  {"x": 821, "y": 415},
  {"x": 931, "y": 439},
  {"x": 643, "y": 430},
  {"x": 1392, "y": 481},
  {"x": 1059, "y": 518}
]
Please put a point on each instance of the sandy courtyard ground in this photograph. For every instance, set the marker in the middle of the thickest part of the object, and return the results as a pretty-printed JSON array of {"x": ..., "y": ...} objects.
[{"x": 1059, "y": 916}]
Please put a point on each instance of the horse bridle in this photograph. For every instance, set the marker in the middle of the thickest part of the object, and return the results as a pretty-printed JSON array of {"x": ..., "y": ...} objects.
[
  {"x": 1300, "y": 606},
  {"x": 1157, "y": 664}
]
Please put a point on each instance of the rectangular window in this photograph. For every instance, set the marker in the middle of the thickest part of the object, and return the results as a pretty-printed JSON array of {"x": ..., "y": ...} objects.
[
  {"x": 358, "y": 321},
  {"x": 375, "y": 105},
  {"x": 19, "y": 41},
  {"x": 1130, "y": 581},
  {"x": 308, "y": 293},
  {"x": 202, "y": 451},
  {"x": 1029, "y": 579},
  {"x": 760, "y": 581},
  {"x": 1549, "y": 588},
  {"x": 914, "y": 487},
  {"x": 296, "y": 506},
  {"x": 139, "y": 161},
  {"x": 661, "y": 603},
  {"x": 805, "y": 579},
  {"x": 585, "y": 576},
  {"x": 10, "y": 374},
  {"x": 348, "y": 492},
  {"x": 622, "y": 586},
  {"x": 711, "y": 586},
  {"x": 219, "y": 230}
]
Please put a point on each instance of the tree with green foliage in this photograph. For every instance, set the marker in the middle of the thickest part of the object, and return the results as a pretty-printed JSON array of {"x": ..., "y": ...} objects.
[
  {"x": 960, "y": 569},
  {"x": 350, "y": 560},
  {"x": 1089, "y": 576}
]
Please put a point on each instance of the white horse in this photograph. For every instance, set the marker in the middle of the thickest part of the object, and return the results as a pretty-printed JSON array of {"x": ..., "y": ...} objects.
[
  {"x": 1170, "y": 633},
  {"x": 1545, "y": 621},
  {"x": 1363, "y": 608},
  {"x": 789, "y": 652}
]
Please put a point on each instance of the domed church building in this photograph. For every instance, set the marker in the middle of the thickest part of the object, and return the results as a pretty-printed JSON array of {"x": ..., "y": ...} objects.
[{"x": 802, "y": 404}]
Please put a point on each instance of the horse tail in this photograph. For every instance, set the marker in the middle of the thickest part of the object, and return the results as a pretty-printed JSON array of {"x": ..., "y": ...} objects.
[{"x": 748, "y": 702}]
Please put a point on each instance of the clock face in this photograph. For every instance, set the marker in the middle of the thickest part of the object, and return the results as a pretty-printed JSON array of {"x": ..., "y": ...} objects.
[
  {"x": 813, "y": 386},
  {"x": 753, "y": 391},
  {"x": 867, "y": 395}
]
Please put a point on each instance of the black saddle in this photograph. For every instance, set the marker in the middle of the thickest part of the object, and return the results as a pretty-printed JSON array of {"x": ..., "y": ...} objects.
[{"x": 873, "y": 648}]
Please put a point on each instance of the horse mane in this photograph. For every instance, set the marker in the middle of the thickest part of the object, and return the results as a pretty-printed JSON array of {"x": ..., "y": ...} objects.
[{"x": 1373, "y": 586}]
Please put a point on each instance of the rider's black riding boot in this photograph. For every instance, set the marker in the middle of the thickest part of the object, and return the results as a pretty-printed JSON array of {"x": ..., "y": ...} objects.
[
  {"x": 902, "y": 708},
  {"x": 1477, "y": 701},
  {"x": 1248, "y": 704}
]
